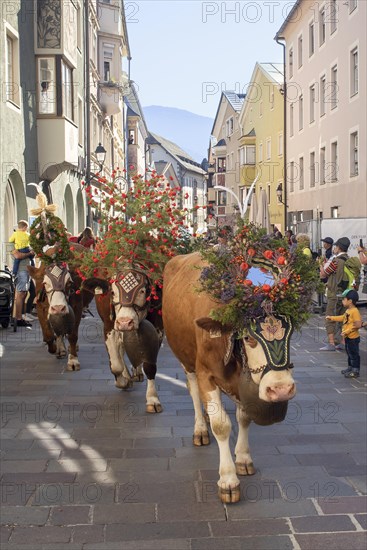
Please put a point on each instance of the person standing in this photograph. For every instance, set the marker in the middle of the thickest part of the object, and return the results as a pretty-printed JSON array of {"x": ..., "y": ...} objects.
[
  {"x": 22, "y": 283},
  {"x": 333, "y": 271},
  {"x": 328, "y": 247},
  {"x": 350, "y": 332}
]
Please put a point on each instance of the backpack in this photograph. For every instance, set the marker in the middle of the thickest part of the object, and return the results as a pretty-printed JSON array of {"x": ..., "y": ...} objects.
[{"x": 352, "y": 274}]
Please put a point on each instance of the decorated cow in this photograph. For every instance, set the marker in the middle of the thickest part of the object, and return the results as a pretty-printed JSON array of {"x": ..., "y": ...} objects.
[
  {"x": 60, "y": 301},
  {"x": 125, "y": 307},
  {"x": 229, "y": 314}
]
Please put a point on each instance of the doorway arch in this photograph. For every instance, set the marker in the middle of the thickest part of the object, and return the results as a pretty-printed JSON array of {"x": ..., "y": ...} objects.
[{"x": 68, "y": 210}]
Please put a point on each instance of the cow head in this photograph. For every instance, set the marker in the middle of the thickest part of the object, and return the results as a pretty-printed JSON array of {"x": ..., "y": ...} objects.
[
  {"x": 56, "y": 283},
  {"x": 264, "y": 354},
  {"x": 128, "y": 294}
]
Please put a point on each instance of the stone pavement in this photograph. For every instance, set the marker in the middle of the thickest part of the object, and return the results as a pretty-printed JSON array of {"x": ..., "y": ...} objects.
[{"x": 85, "y": 468}]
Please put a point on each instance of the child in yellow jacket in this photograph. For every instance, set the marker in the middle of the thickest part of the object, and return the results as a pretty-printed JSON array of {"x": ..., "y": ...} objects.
[{"x": 350, "y": 332}]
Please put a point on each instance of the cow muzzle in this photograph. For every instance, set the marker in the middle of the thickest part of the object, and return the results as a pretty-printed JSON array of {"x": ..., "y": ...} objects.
[
  {"x": 60, "y": 309},
  {"x": 125, "y": 324},
  {"x": 283, "y": 392}
]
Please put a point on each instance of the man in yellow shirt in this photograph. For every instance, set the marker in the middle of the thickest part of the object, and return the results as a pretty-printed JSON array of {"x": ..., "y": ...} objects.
[
  {"x": 350, "y": 332},
  {"x": 20, "y": 238}
]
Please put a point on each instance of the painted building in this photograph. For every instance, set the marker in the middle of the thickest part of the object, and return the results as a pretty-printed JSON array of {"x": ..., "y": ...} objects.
[
  {"x": 189, "y": 175},
  {"x": 326, "y": 67},
  {"x": 261, "y": 142},
  {"x": 223, "y": 157}
]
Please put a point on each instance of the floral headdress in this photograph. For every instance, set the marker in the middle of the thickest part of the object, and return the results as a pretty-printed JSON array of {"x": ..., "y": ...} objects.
[{"x": 256, "y": 276}]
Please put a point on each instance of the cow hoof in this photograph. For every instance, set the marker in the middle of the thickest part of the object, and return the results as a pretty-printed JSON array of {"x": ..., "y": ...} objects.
[
  {"x": 154, "y": 408},
  {"x": 73, "y": 366},
  {"x": 138, "y": 378},
  {"x": 123, "y": 384},
  {"x": 243, "y": 469},
  {"x": 201, "y": 439},
  {"x": 230, "y": 495}
]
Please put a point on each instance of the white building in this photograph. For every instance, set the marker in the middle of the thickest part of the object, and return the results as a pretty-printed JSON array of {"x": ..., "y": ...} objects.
[
  {"x": 326, "y": 111},
  {"x": 187, "y": 173}
]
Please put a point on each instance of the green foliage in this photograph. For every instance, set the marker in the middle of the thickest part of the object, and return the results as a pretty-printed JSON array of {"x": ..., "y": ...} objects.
[{"x": 55, "y": 235}]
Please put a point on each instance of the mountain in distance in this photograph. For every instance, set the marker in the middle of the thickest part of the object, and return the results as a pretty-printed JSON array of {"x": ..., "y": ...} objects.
[{"x": 189, "y": 131}]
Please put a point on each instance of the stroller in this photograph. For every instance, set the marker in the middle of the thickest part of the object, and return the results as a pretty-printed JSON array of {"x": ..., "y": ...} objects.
[{"x": 7, "y": 291}]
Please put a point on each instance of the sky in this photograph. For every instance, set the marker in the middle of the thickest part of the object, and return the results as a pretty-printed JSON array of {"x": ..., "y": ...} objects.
[{"x": 186, "y": 52}]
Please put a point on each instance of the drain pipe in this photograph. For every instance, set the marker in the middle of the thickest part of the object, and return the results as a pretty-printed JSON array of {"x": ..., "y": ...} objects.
[{"x": 277, "y": 40}]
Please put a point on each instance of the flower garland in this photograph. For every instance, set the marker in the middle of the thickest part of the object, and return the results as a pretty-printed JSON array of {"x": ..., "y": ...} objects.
[
  {"x": 55, "y": 235},
  {"x": 289, "y": 280}
]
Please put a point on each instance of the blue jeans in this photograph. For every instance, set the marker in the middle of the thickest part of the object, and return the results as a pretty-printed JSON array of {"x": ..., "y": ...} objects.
[
  {"x": 352, "y": 349},
  {"x": 17, "y": 262}
]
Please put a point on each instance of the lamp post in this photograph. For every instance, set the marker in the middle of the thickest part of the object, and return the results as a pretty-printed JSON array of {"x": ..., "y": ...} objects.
[
  {"x": 279, "y": 192},
  {"x": 100, "y": 154}
]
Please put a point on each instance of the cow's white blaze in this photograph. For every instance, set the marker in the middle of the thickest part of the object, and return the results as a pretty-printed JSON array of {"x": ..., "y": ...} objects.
[{"x": 56, "y": 298}]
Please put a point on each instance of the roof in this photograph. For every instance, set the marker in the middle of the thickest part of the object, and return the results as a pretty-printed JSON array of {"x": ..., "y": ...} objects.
[
  {"x": 179, "y": 154},
  {"x": 275, "y": 71},
  {"x": 251, "y": 133},
  {"x": 220, "y": 143},
  {"x": 288, "y": 18},
  {"x": 236, "y": 100},
  {"x": 133, "y": 105}
]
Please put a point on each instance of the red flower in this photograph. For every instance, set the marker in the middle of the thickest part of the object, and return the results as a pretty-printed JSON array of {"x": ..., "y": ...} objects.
[
  {"x": 247, "y": 282},
  {"x": 284, "y": 281},
  {"x": 244, "y": 266},
  {"x": 251, "y": 252},
  {"x": 266, "y": 288},
  {"x": 268, "y": 254},
  {"x": 281, "y": 260}
]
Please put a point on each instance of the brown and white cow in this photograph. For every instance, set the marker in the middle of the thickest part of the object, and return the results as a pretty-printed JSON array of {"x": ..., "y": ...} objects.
[
  {"x": 60, "y": 308},
  {"x": 214, "y": 361},
  {"x": 130, "y": 328}
]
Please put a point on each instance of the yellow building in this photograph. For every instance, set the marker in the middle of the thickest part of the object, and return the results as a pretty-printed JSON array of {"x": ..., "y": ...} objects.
[{"x": 261, "y": 143}]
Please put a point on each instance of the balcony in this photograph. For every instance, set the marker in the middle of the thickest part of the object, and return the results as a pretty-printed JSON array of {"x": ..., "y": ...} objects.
[
  {"x": 110, "y": 18},
  {"x": 211, "y": 168},
  {"x": 111, "y": 93},
  {"x": 57, "y": 146}
]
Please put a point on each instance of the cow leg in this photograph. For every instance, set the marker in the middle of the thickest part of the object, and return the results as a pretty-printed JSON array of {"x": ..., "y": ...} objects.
[
  {"x": 229, "y": 485},
  {"x": 73, "y": 361},
  {"x": 60, "y": 347},
  {"x": 138, "y": 375},
  {"x": 153, "y": 404},
  {"x": 118, "y": 368},
  {"x": 244, "y": 464},
  {"x": 201, "y": 434}
]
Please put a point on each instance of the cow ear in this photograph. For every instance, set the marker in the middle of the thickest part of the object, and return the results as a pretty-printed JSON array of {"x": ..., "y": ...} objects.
[
  {"x": 208, "y": 324},
  {"x": 94, "y": 282}
]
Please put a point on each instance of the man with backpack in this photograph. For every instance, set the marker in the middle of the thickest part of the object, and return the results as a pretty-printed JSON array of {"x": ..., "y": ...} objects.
[{"x": 338, "y": 274}]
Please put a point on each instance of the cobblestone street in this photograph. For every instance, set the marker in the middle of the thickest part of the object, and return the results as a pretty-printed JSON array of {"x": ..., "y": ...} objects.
[{"x": 85, "y": 468}]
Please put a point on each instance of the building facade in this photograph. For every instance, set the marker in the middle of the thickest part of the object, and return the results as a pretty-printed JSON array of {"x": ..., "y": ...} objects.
[
  {"x": 49, "y": 121},
  {"x": 223, "y": 157},
  {"x": 188, "y": 174},
  {"x": 261, "y": 143},
  {"x": 326, "y": 111}
]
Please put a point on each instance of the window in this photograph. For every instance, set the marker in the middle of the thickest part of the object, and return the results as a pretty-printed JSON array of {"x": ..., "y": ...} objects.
[
  {"x": 311, "y": 39},
  {"x": 46, "y": 86},
  {"x": 269, "y": 193},
  {"x": 248, "y": 154},
  {"x": 354, "y": 72},
  {"x": 312, "y": 103},
  {"x": 334, "y": 87},
  {"x": 352, "y": 5},
  {"x": 322, "y": 165},
  {"x": 312, "y": 170},
  {"x": 291, "y": 63},
  {"x": 67, "y": 91},
  {"x": 12, "y": 69},
  {"x": 107, "y": 62},
  {"x": 222, "y": 198},
  {"x": 301, "y": 174},
  {"x": 260, "y": 152},
  {"x": 333, "y": 16},
  {"x": 221, "y": 164},
  {"x": 300, "y": 51},
  {"x": 322, "y": 94},
  {"x": 334, "y": 162},
  {"x": 268, "y": 149},
  {"x": 334, "y": 211},
  {"x": 291, "y": 177},
  {"x": 322, "y": 26},
  {"x": 229, "y": 127},
  {"x": 354, "y": 154},
  {"x": 300, "y": 113},
  {"x": 291, "y": 119},
  {"x": 280, "y": 144}
]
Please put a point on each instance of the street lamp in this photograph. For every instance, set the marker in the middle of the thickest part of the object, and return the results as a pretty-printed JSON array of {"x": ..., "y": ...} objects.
[
  {"x": 100, "y": 153},
  {"x": 279, "y": 192}
]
